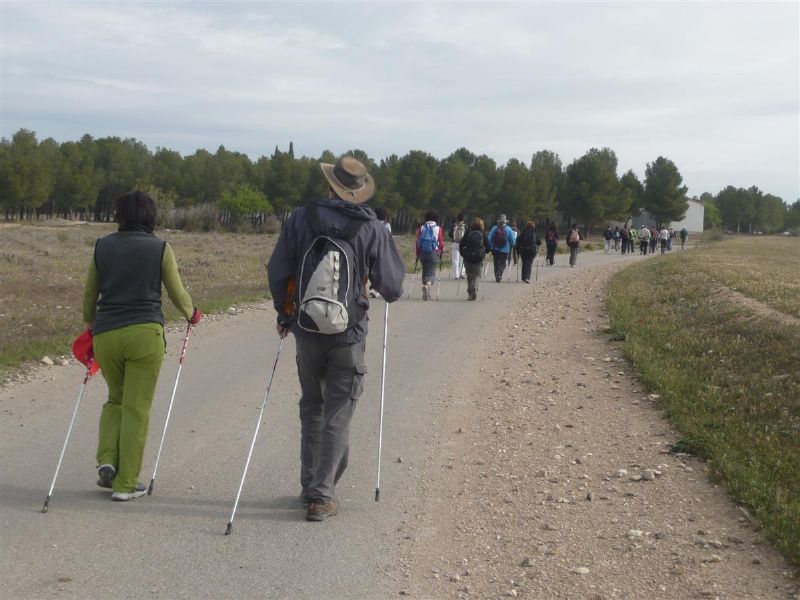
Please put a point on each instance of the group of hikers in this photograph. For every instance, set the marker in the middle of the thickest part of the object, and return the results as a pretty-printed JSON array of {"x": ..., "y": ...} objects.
[
  {"x": 325, "y": 254},
  {"x": 469, "y": 246},
  {"x": 648, "y": 239}
]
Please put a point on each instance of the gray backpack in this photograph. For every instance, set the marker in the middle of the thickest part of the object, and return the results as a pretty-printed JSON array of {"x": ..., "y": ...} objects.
[{"x": 328, "y": 288}]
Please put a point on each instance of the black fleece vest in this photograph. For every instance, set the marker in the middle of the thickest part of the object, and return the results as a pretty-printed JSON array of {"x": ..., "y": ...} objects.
[{"x": 128, "y": 267}]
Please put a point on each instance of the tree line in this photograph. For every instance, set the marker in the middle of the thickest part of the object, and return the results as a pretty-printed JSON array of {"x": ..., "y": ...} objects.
[{"x": 81, "y": 179}]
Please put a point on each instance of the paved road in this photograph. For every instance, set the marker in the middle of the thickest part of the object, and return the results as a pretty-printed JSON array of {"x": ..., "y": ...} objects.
[{"x": 171, "y": 545}]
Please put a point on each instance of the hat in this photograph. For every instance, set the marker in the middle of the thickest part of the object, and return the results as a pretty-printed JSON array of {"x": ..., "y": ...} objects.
[
  {"x": 502, "y": 220},
  {"x": 349, "y": 179}
]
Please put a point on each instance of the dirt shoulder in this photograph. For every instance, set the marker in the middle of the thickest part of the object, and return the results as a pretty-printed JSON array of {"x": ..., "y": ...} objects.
[{"x": 554, "y": 477}]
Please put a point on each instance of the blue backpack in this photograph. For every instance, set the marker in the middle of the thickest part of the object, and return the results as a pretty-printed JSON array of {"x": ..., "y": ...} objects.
[{"x": 427, "y": 240}]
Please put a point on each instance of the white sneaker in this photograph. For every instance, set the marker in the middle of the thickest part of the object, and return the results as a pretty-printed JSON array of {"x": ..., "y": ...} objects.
[{"x": 139, "y": 490}]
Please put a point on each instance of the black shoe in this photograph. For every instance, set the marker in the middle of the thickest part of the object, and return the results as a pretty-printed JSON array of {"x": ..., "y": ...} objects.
[
  {"x": 106, "y": 474},
  {"x": 319, "y": 511}
]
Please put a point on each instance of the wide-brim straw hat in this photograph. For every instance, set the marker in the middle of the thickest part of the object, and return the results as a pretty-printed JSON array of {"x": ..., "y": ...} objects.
[
  {"x": 502, "y": 220},
  {"x": 349, "y": 179}
]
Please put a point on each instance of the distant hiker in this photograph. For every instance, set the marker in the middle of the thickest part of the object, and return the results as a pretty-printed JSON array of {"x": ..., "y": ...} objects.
[
  {"x": 514, "y": 254},
  {"x": 684, "y": 236},
  {"x": 653, "y": 239},
  {"x": 633, "y": 239},
  {"x": 608, "y": 235},
  {"x": 663, "y": 238},
  {"x": 429, "y": 248},
  {"x": 122, "y": 309},
  {"x": 457, "y": 232},
  {"x": 380, "y": 214},
  {"x": 625, "y": 236},
  {"x": 527, "y": 245},
  {"x": 644, "y": 240},
  {"x": 473, "y": 247},
  {"x": 617, "y": 238},
  {"x": 573, "y": 242},
  {"x": 501, "y": 240},
  {"x": 330, "y": 321},
  {"x": 551, "y": 241},
  {"x": 670, "y": 238}
]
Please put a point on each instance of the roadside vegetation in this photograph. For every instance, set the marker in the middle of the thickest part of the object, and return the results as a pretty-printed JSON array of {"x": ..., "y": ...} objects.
[{"x": 727, "y": 375}]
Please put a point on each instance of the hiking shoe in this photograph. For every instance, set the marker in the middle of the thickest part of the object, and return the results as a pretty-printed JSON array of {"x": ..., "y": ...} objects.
[
  {"x": 139, "y": 490},
  {"x": 106, "y": 474},
  {"x": 319, "y": 511},
  {"x": 424, "y": 292}
]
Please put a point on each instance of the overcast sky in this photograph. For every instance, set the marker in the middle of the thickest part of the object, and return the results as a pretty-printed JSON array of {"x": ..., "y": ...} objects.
[{"x": 713, "y": 86}]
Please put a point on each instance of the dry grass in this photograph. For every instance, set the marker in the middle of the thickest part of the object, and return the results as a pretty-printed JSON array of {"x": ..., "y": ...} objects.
[{"x": 43, "y": 269}]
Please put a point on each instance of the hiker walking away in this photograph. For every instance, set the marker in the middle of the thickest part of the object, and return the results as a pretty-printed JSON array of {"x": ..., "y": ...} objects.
[
  {"x": 527, "y": 246},
  {"x": 514, "y": 252},
  {"x": 670, "y": 238},
  {"x": 321, "y": 245},
  {"x": 663, "y": 238},
  {"x": 644, "y": 240},
  {"x": 551, "y": 242},
  {"x": 380, "y": 214},
  {"x": 473, "y": 248},
  {"x": 633, "y": 239},
  {"x": 608, "y": 235},
  {"x": 617, "y": 237},
  {"x": 501, "y": 240},
  {"x": 457, "y": 232},
  {"x": 574, "y": 242},
  {"x": 625, "y": 236},
  {"x": 653, "y": 239},
  {"x": 122, "y": 309},
  {"x": 429, "y": 248},
  {"x": 684, "y": 236}
]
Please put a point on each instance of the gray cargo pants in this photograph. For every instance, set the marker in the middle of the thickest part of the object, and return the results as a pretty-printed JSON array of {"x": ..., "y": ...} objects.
[{"x": 331, "y": 380}]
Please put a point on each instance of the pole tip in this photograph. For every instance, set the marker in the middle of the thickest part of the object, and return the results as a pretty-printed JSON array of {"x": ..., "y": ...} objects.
[
  {"x": 377, "y": 494},
  {"x": 46, "y": 505},
  {"x": 228, "y": 529},
  {"x": 150, "y": 488}
]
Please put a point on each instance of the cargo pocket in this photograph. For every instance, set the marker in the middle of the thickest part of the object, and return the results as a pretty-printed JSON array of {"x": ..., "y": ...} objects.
[{"x": 357, "y": 388}]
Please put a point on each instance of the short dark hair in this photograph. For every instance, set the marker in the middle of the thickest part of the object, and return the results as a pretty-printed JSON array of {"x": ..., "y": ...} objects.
[
  {"x": 136, "y": 210},
  {"x": 380, "y": 212},
  {"x": 460, "y": 216},
  {"x": 432, "y": 215}
]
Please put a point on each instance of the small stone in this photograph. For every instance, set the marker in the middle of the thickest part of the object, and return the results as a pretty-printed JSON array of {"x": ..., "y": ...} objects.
[
  {"x": 63, "y": 362},
  {"x": 756, "y": 561},
  {"x": 400, "y": 459},
  {"x": 46, "y": 360},
  {"x": 512, "y": 593},
  {"x": 589, "y": 497},
  {"x": 526, "y": 562},
  {"x": 579, "y": 570},
  {"x": 648, "y": 475},
  {"x": 634, "y": 533},
  {"x": 64, "y": 579},
  {"x": 622, "y": 472},
  {"x": 455, "y": 577},
  {"x": 714, "y": 558}
]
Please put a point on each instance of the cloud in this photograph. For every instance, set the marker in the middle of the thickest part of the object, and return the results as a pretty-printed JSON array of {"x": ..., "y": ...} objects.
[{"x": 700, "y": 83}]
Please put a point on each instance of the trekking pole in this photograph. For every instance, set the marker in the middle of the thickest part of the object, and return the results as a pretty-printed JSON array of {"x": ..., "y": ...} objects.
[
  {"x": 537, "y": 270},
  {"x": 86, "y": 378},
  {"x": 439, "y": 278},
  {"x": 458, "y": 288},
  {"x": 383, "y": 391},
  {"x": 413, "y": 276},
  {"x": 255, "y": 434},
  {"x": 169, "y": 410},
  {"x": 483, "y": 283}
]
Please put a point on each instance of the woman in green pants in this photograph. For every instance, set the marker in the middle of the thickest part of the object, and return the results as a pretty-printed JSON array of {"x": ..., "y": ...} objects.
[{"x": 122, "y": 308}]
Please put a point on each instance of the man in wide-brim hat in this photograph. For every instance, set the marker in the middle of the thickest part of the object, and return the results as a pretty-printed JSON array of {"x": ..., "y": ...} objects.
[{"x": 330, "y": 357}]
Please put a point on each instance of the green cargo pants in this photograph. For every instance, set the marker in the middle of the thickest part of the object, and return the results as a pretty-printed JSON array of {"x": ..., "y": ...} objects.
[{"x": 130, "y": 359}]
